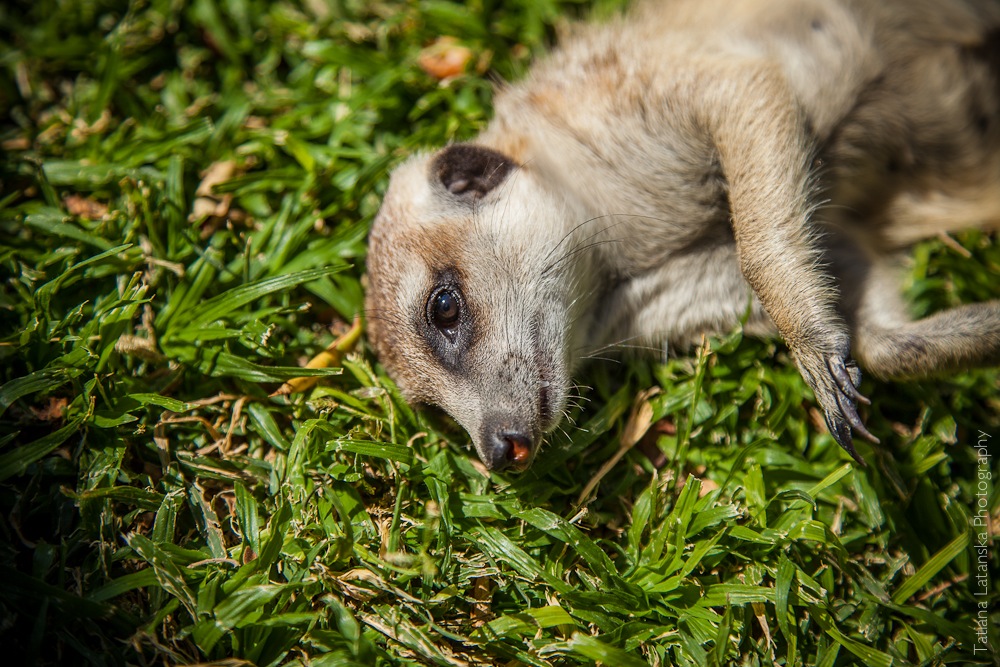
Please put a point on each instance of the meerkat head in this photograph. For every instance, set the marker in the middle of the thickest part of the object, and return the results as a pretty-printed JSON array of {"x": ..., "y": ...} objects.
[{"x": 466, "y": 307}]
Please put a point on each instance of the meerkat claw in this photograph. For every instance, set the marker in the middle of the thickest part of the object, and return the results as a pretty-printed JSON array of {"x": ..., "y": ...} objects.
[
  {"x": 841, "y": 432},
  {"x": 847, "y": 384},
  {"x": 843, "y": 419},
  {"x": 847, "y": 378},
  {"x": 850, "y": 415}
]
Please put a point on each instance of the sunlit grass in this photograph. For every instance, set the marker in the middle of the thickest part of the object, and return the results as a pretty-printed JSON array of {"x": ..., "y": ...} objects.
[{"x": 186, "y": 190}]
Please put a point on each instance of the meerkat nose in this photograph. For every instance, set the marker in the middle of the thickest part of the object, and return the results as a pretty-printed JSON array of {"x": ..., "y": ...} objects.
[
  {"x": 519, "y": 449},
  {"x": 507, "y": 447}
]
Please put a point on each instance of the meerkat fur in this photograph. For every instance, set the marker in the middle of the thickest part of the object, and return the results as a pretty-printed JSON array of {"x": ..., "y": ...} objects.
[{"x": 690, "y": 166}]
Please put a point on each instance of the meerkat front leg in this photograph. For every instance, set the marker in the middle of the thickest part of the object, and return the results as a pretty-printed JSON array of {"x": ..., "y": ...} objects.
[{"x": 755, "y": 125}]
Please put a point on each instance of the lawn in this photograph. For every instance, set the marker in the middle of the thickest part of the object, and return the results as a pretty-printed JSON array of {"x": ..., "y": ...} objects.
[{"x": 185, "y": 190}]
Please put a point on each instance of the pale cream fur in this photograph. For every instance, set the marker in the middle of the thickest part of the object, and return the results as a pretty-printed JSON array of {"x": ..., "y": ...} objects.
[{"x": 693, "y": 165}]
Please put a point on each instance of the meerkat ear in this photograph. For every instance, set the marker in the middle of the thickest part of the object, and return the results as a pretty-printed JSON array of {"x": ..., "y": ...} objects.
[{"x": 469, "y": 171}]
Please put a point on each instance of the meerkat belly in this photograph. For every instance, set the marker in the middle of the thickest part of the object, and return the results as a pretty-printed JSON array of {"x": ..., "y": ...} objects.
[
  {"x": 919, "y": 150},
  {"x": 700, "y": 291}
]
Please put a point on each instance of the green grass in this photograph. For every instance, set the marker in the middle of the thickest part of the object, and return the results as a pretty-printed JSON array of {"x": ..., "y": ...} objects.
[{"x": 157, "y": 507}]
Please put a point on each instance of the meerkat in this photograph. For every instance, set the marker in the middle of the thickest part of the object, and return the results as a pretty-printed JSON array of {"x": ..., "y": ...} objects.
[{"x": 691, "y": 166}]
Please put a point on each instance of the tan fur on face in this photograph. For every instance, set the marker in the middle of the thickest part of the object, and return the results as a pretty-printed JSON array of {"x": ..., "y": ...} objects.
[{"x": 695, "y": 163}]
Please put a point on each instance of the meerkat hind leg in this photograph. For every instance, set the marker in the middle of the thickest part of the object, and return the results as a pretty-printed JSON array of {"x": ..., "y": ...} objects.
[{"x": 890, "y": 344}]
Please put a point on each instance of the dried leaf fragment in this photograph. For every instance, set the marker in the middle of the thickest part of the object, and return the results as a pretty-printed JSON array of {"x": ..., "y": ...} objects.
[
  {"x": 54, "y": 409},
  {"x": 445, "y": 58},
  {"x": 85, "y": 207},
  {"x": 331, "y": 356},
  {"x": 16, "y": 144},
  {"x": 482, "y": 593},
  {"x": 207, "y": 203},
  {"x": 639, "y": 421}
]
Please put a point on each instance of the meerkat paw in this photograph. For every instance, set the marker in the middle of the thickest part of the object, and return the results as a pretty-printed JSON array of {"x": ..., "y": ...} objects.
[{"x": 834, "y": 378}]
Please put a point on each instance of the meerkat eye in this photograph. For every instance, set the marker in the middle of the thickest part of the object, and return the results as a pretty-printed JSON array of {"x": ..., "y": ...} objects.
[{"x": 444, "y": 309}]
